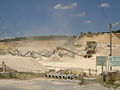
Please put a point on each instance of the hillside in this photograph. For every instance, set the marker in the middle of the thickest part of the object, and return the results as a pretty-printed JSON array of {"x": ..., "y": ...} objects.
[
  {"x": 52, "y": 37},
  {"x": 99, "y": 38},
  {"x": 118, "y": 31},
  {"x": 103, "y": 42},
  {"x": 35, "y": 42},
  {"x": 70, "y": 53}
]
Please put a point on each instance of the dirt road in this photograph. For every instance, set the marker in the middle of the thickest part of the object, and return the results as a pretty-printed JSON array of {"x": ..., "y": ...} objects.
[{"x": 48, "y": 84}]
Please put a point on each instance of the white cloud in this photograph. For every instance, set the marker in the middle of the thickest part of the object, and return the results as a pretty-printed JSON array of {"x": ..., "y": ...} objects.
[
  {"x": 116, "y": 24},
  {"x": 18, "y": 33},
  {"x": 105, "y": 5},
  {"x": 82, "y": 14},
  {"x": 64, "y": 7},
  {"x": 88, "y": 21}
]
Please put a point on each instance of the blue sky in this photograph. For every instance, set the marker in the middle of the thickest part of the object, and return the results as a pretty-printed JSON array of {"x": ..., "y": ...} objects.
[{"x": 58, "y": 17}]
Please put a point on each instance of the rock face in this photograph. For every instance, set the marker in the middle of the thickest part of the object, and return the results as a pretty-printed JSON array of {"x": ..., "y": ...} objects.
[
  {"x": 23, "y": 64},
  {"x": 102, "y": 41}
]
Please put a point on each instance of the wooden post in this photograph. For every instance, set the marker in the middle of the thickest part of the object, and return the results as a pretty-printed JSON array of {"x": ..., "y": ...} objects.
[
  {"x": 102, "y": 69},
  {"x": 82, "y": 72},
  {"x": 96, "y": 70},
  {"x": 110, "y": 28},
  {"x": 106, "y": 64},
  {"x": 102, "y": 77},
  {"x": 89, "y": 72},
  {"x": 3, "y": 66}
]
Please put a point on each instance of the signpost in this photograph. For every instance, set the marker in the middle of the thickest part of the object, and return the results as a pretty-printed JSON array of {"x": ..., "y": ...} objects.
[
  {"x": 114, "y": 61},
  {"x": 101, "y": 60},
  {"x": 107, "y": 61}
]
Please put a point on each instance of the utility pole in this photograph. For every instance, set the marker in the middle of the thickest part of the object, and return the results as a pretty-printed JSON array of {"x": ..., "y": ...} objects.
[{"x": 110, "y": 28}]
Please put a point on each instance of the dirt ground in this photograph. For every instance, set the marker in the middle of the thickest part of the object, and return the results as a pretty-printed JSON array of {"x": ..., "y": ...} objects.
[
  {"x": 22, "y": 64},
  {"x": 48, "y": 84}
]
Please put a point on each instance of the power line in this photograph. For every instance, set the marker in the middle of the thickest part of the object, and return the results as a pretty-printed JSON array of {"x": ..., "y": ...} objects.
[
  {"x": 107, "y": 20},
  {"x": 110, "y": 28}
]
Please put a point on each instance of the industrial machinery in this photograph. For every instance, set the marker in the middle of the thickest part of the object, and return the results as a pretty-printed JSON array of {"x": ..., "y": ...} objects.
[{"x": 91, "y": 47}]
